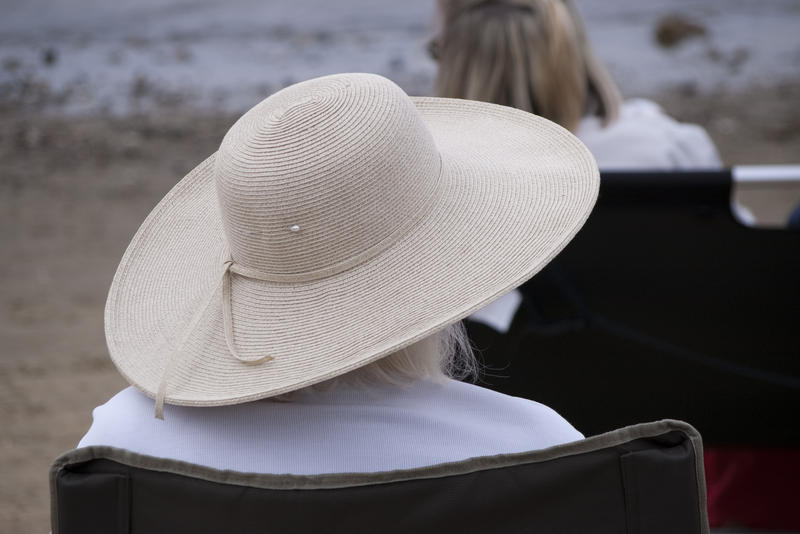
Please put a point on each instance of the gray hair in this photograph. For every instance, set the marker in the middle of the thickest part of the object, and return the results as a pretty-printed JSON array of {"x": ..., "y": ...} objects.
[{"x": 445, "y": 354}]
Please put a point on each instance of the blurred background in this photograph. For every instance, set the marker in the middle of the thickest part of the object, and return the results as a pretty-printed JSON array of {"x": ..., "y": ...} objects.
[{"x": 105, "y": 105}]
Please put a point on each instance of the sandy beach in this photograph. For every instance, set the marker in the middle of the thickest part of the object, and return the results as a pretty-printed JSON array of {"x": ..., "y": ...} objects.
[{"x": 93, "y": 135}]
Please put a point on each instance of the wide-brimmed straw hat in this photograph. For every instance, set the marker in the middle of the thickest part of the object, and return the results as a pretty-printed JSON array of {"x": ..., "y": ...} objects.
[{"x": 339, "y": 221}]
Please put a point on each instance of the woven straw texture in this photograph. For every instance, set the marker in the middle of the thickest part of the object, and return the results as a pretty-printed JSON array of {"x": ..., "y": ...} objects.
[{"x": 358, "y": 220}]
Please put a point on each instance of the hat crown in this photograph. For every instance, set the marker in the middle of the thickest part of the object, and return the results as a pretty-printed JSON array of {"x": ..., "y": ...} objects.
[{"x": 323, "y": 173}]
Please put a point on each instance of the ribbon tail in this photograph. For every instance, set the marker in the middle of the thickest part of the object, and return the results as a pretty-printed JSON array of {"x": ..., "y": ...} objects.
[
  {"x": 161, "y": 394},
  {"x": 227, "y": 319}
]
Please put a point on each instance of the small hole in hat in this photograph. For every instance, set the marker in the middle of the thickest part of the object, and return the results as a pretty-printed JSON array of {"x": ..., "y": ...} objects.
[{"x": 294, "y": 228}]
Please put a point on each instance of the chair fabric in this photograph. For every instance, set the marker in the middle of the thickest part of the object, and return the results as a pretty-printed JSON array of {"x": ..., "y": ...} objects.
[
  {"x": 662, "y": 297},
  {"x": 646, "y": 478}
]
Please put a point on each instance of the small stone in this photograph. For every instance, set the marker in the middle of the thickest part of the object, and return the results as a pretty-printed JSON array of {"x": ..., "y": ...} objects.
[
  {"x": 672, "y": 30},
  {"x": 49, "y": 56}
]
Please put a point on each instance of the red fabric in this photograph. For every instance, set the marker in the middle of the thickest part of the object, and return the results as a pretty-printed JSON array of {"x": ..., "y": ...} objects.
[{"x": 753, "y": 487}]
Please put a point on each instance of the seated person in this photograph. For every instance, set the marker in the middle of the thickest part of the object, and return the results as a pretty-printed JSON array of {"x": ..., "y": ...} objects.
[
  {"x": 535, "y": 55},
  {"x": 292, "y": 305}
]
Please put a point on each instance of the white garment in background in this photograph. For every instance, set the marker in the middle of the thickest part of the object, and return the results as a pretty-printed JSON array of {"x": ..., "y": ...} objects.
[
  {"x": 337, "y": 431},
  {"x": 645, "y": 138},
  {"x": 642, "y": 138},
  {"x": 499, "y": 313}
]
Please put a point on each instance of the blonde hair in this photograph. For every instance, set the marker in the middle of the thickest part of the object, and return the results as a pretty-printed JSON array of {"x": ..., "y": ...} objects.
[
  {"x": 445, "y": 354},
  {"x": 529, "y": 54}
]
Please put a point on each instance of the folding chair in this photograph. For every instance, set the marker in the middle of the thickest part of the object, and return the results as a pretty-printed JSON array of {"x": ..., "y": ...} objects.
[
  {"x": 642, "y": 479},
  {"x": 671, "y": 307}
]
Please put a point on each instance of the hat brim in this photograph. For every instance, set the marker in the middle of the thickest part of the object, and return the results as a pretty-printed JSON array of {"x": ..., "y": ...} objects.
[{"x": 515, "y": 188}]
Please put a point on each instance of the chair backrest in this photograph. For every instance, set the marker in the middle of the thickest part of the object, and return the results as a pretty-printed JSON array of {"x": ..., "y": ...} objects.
[
  {"x": 642, "y": 479},
  {"x": 664, "y": 298}
]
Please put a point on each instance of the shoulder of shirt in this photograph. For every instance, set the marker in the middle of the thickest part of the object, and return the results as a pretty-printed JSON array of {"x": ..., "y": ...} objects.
[
  {"x": 120, "y": 411},
  {"x": 127, "y": 400},
  {"x": 525, "y": 410},
  {"x": 130, "y": 412},
  {"x": 644, "y": 136},
  {"x": 482, "y": 394},
  {"x": 130, "y": 402}
]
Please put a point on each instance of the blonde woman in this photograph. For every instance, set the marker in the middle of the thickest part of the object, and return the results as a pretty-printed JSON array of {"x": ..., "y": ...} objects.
[
  {"x": 534, "y": 55},
  {"x": 292, "y": 305}
]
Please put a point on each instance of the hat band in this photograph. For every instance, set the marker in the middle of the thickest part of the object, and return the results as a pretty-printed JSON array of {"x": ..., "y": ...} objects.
[{"x": 423, "y": 208}]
